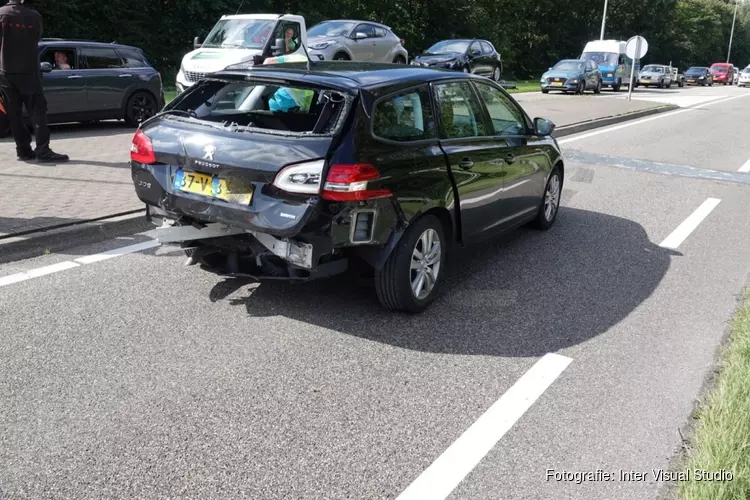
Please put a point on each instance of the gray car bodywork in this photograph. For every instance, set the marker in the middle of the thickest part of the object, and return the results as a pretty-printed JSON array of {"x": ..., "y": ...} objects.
[{"x": 379, "y": 43}]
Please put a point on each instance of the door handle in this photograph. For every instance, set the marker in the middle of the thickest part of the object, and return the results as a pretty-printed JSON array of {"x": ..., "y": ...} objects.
[
  {"x": 126, "y": 76},
  {"x": 466, "y": 164},
  {"x": 73, "y": 77},
  {"x": 509, "y": 158}
]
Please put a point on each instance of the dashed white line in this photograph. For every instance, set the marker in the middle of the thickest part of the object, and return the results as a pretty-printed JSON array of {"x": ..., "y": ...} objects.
[
  {"x": 450, "y": 468},
  {"x": 138, "y": 247},
  {"x": 674, "y": 240},
  {"x": 745, "y": 167}
]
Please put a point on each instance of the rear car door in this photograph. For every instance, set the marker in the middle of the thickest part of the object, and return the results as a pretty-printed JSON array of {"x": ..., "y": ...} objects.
[
  {"x": 65, "y": 86},
  {"x": 474, "y": 157},
  {"x": 364, "y": 49},
  {"x": 107, "y": 79},
  {"x": 525, "y": 165},
  {"x": 488, "y": 59},
  {"x": 383, "y": 45}
]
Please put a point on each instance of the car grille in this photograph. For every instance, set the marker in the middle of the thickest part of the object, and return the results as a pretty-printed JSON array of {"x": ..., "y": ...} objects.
[
  {"x": 193, "y": 76},
  {"x": 645, "y": 78},
  {"x": 562, "y": 80}
]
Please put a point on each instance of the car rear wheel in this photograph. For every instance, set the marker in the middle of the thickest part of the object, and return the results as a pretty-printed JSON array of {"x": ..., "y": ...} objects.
[
  {"x": 550, "y": 204},
  {"x": 411, "y": 277},
  {"x": 141, "y": 106}
]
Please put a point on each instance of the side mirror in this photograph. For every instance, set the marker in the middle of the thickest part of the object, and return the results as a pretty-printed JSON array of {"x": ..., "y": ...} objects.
[
  {"x": 543, "y": 127},
  {"x": 45, "y": 67},
  {"x": 359, "y": 36},
  {"x": 197, "y": 43},
  {"x": 277, "y": 48}
]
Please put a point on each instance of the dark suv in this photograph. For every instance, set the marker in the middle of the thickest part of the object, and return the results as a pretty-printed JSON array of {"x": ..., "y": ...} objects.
[
  {"x": 286, "y": 173},
  {"x": 89, "y": 81}
]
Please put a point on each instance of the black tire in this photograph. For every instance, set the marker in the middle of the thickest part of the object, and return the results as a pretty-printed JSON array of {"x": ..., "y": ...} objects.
[
  {"x": 466, "y": 69},
  {"x": 581, "y": 88},
  {"x": 141, "y": 106},
  {"x": 399, "y": 60},
  {"x": 598, "y": 88},
  {"x": 661, "y": 84},
  {"x": 542, "y": 220},
  {"x": 681, "y": 84},
  {"x": 669, "y": 85},
  {"x": 496, "y": 74},
  {"x": 616, "y": 87},
  {"x": 341, "y": 56},
  {"x": 545, "y": 91},
  {"x": 393, "y": 283}
]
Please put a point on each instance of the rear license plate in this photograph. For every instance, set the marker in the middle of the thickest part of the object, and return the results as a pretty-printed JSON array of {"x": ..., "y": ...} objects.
[
  {"x": 237, "y": 192},
  {"x": 691, "y": 81},
  {"x": 557, "y": 84}
]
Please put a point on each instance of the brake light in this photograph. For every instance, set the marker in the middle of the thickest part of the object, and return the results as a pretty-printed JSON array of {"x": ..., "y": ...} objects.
[
  {"x": 349, "y": 183},
  {"x": 141, "y": 149}
]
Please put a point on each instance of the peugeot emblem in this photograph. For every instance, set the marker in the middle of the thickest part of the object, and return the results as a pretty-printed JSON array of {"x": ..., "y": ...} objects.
[{"x": 209, "y": 152}]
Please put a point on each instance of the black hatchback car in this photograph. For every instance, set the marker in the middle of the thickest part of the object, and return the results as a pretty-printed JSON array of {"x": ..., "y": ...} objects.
[
  {"x": 284, "y": 173},
  {"x": 470, "y": 56},
  {"x": 89, "y": 81}
]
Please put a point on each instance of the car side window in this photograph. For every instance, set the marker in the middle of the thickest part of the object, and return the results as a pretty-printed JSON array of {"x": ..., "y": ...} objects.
[
  {"x": 61, "y": 58},
  {"x": 101, "y": 58},
  {"x": 459, "y": 110},
  {"x": 507, "y": 119},
  {"x": 404, "y": 117},
  {"x": 486, "y": 48},
  {"x": 475, "y": 47},
  {"x": 367, "y": 29},
  {"x": 132, "y": 58},
  {"x": 379, "y": 32}
]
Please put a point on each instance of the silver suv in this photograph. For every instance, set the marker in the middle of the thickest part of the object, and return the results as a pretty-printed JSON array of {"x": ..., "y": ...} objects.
[{"x": 350, "y": 40}]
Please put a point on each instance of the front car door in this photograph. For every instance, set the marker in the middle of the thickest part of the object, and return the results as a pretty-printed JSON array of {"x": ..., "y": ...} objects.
[
  {"x": 474, "y": 156},
  {"x": 364, "y": 49},
  {"x": 65, "y": 85},
  {"x": 526, "y": 163},
  {"x": 475, "y": 58},
  {"x": 488, "y": 59},
  {"x": 107, "y": 79},
  {"x": 592, "y": 77}
]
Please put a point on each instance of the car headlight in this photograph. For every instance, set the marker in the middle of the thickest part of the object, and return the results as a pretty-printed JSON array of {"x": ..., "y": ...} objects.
[
  {"x": 574, "y": 80},
  {"x": 701, "y": 78},
  {"x": 243, "y": 65},
  {"x": 321, "y": 45}
]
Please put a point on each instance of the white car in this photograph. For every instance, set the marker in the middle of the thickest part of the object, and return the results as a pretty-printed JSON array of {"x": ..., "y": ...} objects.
[
  {"x": 736, "y": 75},
  {"x": 245, "y": 39},
  {"x": 744, "y": 80}
]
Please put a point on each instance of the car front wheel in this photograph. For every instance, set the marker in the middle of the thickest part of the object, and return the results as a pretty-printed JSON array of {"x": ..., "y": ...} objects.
[
  {"x": 496, "y": 74},
  {"x": 550, "y": 203},
  {"x": 411, "y": 277}
]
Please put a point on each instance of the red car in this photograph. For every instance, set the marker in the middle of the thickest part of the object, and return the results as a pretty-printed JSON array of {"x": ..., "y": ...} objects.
[{"x": 722, "y": 73}]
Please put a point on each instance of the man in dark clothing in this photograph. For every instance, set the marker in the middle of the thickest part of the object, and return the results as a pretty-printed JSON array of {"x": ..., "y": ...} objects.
[{"x": 21, "y": 79}]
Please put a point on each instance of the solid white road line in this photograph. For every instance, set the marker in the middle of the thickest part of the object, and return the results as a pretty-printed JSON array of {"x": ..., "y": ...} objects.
[
  {"x": 745, "y": 167},
  {"x": 450, "y": 468},
  {"x": 35, "y": 273},
  {"x": 644, "y": 120},
  {"x": 689, "y": 225},
  {"x": 138, "y": 247}
]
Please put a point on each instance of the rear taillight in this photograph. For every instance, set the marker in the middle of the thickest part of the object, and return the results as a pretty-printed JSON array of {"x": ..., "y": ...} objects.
[
  {"x": 141, "y": 149},
  {"x": 350, "y": 183}
]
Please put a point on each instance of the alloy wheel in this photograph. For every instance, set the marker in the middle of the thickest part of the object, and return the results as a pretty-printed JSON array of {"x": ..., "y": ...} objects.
[
  {"x": 552, "y": 197},
  {"x": 425, "y": 264},
  {"x": 142, "y": 108},
  {"x": 496, "y": 74}
]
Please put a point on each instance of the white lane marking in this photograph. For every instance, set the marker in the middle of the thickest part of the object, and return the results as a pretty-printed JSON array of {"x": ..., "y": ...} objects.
[
  {"x": 745, "y": 167},
  {"x": 644, "y": 120},
  {"x": 90, "y": 259},
  {"x": 674, "y": 240},
  {"x": 35, "y": 273},
  {"x": 450, "y": 468}
]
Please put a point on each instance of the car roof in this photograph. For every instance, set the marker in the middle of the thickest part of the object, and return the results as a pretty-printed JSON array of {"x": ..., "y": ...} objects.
[
  {"x": 354, "y": 21},
  {"x": 83, "y": 43},
  {"x": 351, "y": 76}
]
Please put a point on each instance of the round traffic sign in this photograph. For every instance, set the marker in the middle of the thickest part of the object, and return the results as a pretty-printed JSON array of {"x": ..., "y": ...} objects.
[{"x": 636, "y": 47}]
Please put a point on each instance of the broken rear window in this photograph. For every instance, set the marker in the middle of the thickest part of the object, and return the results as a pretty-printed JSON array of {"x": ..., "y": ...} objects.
[{"x": 265, "y": 107}]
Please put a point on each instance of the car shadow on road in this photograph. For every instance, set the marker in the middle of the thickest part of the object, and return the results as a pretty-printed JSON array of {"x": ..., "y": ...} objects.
[{"x": 526, "y": 294}]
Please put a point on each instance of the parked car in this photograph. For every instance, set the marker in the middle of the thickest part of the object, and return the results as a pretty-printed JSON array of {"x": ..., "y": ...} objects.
[
  {"x": 723, "y": 73},
  {"x": 736, "y": 74},
  {"x": 572, "y": 75},
  {"x": 655, "y": 75},
  {"x": 677, "y": 77},
  {"x": 699, "y": 75},
  {"x": 347, "y": 40},
  {"x": 90, "y": 81},
  {"x": 469, "y": 55},
  {"x": 744, "y": 79},
  {"x": 342, "y": 165}
]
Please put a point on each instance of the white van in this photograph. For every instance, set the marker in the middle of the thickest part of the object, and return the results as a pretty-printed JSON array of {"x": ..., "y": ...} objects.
[
  {"x": 613, "y": 63},
  {"x": 242, "y": 38}
]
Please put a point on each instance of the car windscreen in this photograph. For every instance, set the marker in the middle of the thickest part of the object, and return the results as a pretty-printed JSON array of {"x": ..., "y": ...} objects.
[
  {"x": 719, "y": 69},
  {"x": 569, "y": 66},
  {"x": 601, "y": 58},
  {"x": 652, "y": 69},
  {"x": 240, "y": 33},
  {"x": 288, "y": 109},
  {"x": 746, "y": 71},
  {"x": 331, "y": 28},
  {"x": 449, "y": 46},
  {"x": 695, "y": 71}
]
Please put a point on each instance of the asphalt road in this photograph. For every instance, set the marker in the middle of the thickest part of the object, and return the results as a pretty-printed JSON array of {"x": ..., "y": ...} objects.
[{"x": 138, "y": 377}]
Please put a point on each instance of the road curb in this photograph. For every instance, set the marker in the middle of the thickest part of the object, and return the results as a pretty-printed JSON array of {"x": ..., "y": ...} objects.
[
  {"x": 57, "y": 239},
  {"x": 576, "y": 128}
]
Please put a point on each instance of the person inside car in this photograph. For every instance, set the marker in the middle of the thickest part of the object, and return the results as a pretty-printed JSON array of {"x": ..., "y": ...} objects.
[
  {"x": 289, "y": 44},
  {"x": 61, "y": 61}
]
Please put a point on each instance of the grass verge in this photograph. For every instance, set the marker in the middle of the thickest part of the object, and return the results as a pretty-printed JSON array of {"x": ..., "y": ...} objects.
[
  {"x": 525, "y": 86},
  {"x": 721, "y": 441},
  {"x": 169, "y": 94}
]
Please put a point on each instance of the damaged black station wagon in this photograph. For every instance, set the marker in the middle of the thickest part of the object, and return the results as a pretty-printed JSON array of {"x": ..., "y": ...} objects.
[{"x": 295, "y": 172}]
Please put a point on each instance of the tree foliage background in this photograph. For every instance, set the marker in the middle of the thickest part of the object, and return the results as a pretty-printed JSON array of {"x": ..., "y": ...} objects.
[{"x": 531, "y": 35}]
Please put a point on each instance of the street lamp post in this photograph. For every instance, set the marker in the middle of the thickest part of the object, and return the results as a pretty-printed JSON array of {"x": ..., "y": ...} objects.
[
  {"x": 604, "y": 20},
  {"x": 731, "y": 35}
]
